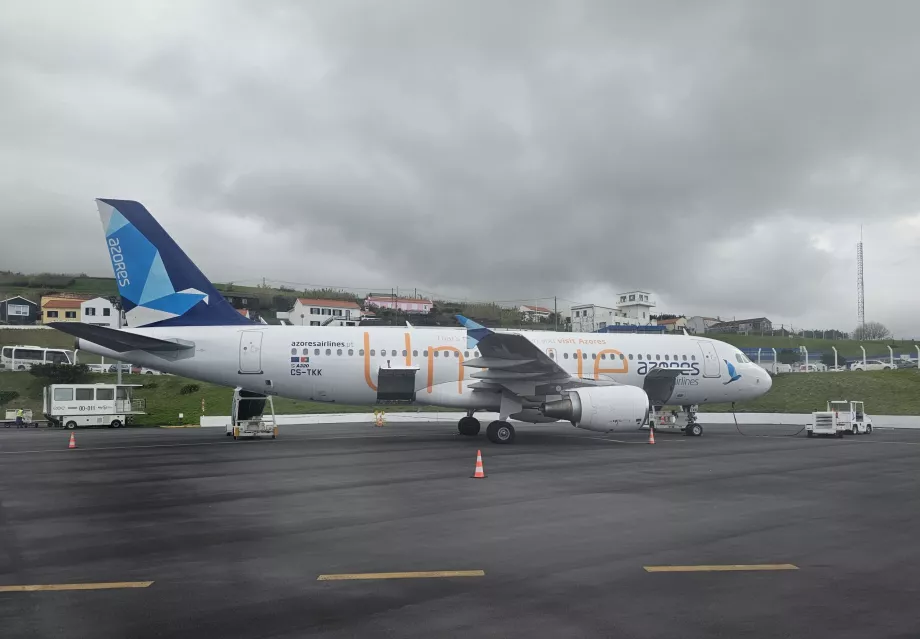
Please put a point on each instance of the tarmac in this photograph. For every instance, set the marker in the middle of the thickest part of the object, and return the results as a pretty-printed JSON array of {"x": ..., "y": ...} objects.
[{"x": 351, "y": 530}]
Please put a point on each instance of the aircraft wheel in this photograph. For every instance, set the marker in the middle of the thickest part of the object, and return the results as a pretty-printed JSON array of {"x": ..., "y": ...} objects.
[
  {"x": 695, "y": 430},
  {"x": 468, "y": 426},
  {"x": 500, "y": 432}
]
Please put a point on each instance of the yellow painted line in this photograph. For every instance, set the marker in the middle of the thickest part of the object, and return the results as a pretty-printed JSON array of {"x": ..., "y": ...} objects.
[
  {"x": 720, "y": 568},
  {"x": 58, "y": 587},
  {"x": 403, "y": 575}
]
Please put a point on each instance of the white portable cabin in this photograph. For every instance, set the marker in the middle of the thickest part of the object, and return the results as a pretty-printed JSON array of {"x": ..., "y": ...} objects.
[{"x": 73, "y": 405}]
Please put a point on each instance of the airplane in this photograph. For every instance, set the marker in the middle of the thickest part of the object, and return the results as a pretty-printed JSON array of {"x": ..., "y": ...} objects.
[{"x": 179, "y": 323}]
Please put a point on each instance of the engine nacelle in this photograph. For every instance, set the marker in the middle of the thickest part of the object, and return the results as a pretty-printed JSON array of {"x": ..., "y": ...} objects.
[{"x": 601, "y": 409}]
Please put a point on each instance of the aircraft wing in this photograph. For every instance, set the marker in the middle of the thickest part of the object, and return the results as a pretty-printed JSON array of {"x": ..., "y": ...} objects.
[
  {"x": 514, "y": 363},
  {"x": 119, "y": 341}
]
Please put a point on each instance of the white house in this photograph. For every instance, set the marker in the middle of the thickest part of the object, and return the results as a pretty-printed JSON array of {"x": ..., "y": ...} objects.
[
  {"x": 315, "y": 312},
  {"x": 99, "y": 312},
  {"x": 676, "y": 325},
  {"x": 699, "y": 324},
  {"x": 406, "y": 304},
  {"x": 637, "y": 305},
  {"x": 588, "y": 318},
  {"x": 534, "y": 313}
]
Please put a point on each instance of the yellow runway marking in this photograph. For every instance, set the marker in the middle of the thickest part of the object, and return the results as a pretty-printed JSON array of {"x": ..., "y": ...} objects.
[
  {"x": 720, "y": 568},
  {"x": 58, "y": 587},
  {"x": 403, "y": 575}
]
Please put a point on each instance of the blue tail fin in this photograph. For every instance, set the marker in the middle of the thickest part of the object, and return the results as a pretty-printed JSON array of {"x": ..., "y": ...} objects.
[{"x": 159, "y": 285}]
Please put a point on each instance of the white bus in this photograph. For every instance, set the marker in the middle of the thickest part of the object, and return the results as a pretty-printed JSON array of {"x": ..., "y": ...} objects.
[
  {"x": 72, "y": 405},
  {"x": 21, "y": 358}
]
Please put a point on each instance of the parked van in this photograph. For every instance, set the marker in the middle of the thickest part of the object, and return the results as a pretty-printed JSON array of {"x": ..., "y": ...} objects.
[{"x": 72, "y": 405}]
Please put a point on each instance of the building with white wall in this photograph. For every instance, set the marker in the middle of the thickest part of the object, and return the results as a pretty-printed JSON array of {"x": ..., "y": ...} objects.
[
  {"x": 637, "y": 305},
  {"x": 588, "y": 318},
  {"x": 534, "y": 313},
  {"x": 99, "y": 312},
  {"x": 698, "y": 325},
  {"x": 316, "y": 312},
  {"x": 405, "y": 304}
]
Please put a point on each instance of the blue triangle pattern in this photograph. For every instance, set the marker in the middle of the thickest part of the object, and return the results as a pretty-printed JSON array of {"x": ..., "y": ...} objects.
[
  {"x": 158, "y": 283},
  {"x": 115, "y": 222}
]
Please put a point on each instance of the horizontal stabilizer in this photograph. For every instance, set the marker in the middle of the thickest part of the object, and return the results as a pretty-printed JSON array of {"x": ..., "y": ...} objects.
[{"x": 118, "y": 341}]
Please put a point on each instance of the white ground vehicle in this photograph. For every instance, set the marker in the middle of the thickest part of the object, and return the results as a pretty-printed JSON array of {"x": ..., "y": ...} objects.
[
  {"x": 247, "y": 418},
  {"x": 841, "y": 417},
  {"x": 871, "y": 365},
  {"x": 21, "y": 358},
  {"x": 73, "y": 405},
  {"x": 674, "y": 420}
]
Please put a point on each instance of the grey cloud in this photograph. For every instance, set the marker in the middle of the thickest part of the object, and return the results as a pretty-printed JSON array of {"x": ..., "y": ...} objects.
[{"x": 503, "y": 150}]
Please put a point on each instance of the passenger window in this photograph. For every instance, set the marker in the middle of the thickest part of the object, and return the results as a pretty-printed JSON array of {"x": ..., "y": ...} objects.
[
  {"x": 361, "y": 352},
  {"x": 105, "y": 394},
  {"x": 466, "y": 354},
  {"x": 373, "y": 352},
  {"x": 565, "y": 355},
  {"x": 316, "y": 351},
  {"x": 622, "y": 357},
  {"x": 658, "y": 357},
  {"x": 693, "y": 357},
  {"x": 630, "y": 356},
  {"x": 584, "y": 356},
  {"x": 603, "y": 356},
  {"x": 414, "y": 353},
  {"x": 84, "y": 394},
  {"x": 293, "y": 351},
  {"x": 456, "y": 354},
  {"x": 328, "y": 351},
  {"x": 685, "y": 358},
  {"x": 593, "y": 355},
  {"x": 351, "y": 352},
  {"x": 648, "y": 357},
  {"x": 63, "y": 394},
  {"x": 405, "y": 352},
  {"x": 338, "y": 352},
  {"x": 437, "y": 353},
  {"x": 666, "y": 358},
  {"x": 424, "y": 353},
  {"x": 475, "y": 353}
]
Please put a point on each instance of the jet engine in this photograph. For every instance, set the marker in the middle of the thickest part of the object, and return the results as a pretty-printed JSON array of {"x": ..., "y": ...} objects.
[{"x": 602, "y": 408}]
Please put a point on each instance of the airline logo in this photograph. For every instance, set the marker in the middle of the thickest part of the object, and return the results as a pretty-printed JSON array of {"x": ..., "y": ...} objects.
[{"x": 141, "y": 275}]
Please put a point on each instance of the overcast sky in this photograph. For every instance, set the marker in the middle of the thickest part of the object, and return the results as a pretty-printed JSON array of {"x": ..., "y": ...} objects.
[{"x": 721, "y": 155}]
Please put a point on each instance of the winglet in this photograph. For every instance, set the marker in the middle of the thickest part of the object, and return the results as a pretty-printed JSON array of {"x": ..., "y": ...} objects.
[{"x": 474, "y": 331}]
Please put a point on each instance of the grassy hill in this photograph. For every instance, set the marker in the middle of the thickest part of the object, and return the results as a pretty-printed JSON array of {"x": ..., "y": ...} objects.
[{"x": 885, "y": 393}]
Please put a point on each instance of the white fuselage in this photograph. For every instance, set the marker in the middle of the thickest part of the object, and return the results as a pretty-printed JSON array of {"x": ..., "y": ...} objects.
[{"x": 341, "y": 364}]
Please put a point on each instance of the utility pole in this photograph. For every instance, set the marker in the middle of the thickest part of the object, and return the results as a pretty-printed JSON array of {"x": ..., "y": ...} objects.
[{"x": 555, "y": 314}]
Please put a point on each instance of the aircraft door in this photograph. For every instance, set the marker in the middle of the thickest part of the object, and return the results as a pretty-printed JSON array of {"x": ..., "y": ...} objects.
[
  {"x": 251, "y": 353},
  {"x": 711, "y": 366}
]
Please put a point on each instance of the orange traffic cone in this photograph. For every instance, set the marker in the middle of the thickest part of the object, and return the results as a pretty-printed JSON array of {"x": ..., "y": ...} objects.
[
  {"x": 480, "y": 473},
  {"x": 73, "y": 441},
  {"x": 651, "y": 435}
]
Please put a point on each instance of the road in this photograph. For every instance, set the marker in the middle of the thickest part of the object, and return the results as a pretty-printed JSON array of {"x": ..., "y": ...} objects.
[{"x": 203, "y": 536}]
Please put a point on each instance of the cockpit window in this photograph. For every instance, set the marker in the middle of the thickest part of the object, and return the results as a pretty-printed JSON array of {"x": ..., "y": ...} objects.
[{"x": 742, "y": 358}]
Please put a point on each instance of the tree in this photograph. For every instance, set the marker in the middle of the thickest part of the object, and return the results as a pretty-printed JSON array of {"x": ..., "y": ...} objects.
[
  {"x": 871, "y": 331},
  {"x": 789, "y": 356},
  {"x": 828, "y": 360}
]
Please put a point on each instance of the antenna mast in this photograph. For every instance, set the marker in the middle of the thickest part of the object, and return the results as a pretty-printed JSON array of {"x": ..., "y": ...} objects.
[{"x": 860, "y": 289}]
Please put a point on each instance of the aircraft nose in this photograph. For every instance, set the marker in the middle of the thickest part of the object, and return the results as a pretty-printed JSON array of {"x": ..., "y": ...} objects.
[{"x": 765, "y": 382}]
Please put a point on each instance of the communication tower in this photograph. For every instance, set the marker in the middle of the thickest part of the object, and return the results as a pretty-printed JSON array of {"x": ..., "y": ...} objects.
[{"x": 860, "y": 290}]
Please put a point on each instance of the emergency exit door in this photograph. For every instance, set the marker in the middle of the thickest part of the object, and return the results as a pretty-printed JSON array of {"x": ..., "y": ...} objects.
[{"x": 251, "y": 353}]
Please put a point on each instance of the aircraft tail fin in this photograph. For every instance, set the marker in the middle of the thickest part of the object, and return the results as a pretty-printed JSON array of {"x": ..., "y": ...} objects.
[{"x": 159, "y": 285}]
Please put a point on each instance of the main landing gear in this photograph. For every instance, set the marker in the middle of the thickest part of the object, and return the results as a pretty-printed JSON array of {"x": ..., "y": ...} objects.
[
  {"x": 498, "y": 432},
  {"x": 468, "y": 426}
]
